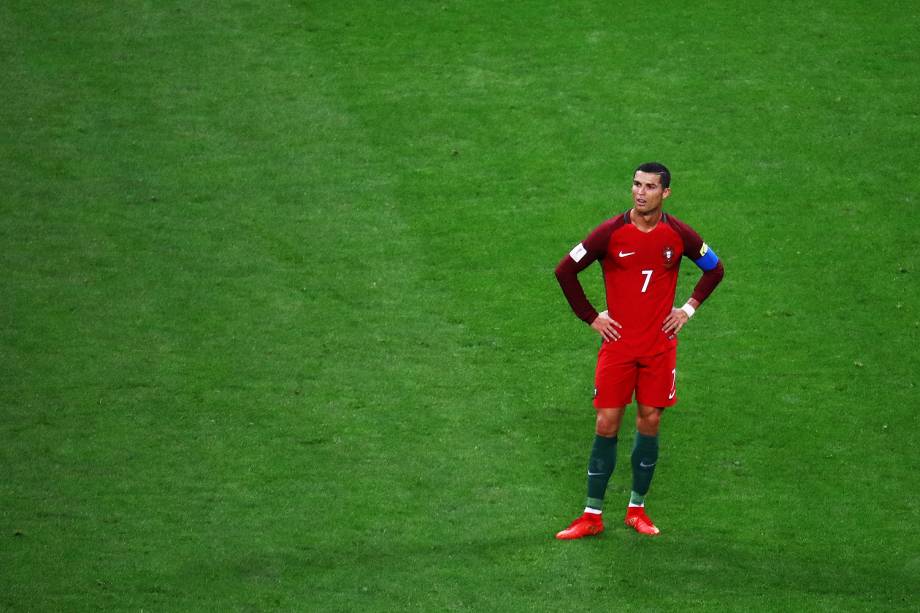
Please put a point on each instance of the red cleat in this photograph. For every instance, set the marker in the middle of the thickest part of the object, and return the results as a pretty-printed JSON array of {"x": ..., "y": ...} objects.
[
  {"x": 636, "y": 517},
  {"x": 588, "y": 524}
]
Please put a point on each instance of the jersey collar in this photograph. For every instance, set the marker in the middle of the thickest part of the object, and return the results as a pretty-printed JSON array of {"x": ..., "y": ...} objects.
[{"x": 628, "y": 220}]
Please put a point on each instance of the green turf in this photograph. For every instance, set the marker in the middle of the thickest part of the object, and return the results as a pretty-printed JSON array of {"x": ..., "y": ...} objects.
[{"x": 279, "y": 330}]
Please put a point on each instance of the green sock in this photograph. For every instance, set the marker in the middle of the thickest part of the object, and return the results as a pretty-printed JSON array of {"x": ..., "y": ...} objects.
[
  {"x": 644, "y": 458},
  {"x": 600, "y": 467}
]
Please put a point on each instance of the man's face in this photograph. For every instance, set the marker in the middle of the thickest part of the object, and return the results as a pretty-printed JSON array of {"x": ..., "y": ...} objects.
[{"x": 647, "y": 192}]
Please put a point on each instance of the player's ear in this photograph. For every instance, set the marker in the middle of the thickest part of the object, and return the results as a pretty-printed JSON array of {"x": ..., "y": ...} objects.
[{"x": 665, "y": 193}]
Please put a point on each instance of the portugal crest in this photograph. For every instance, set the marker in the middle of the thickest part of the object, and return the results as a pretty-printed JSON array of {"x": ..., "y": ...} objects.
[{"x": 668, "y": 255}]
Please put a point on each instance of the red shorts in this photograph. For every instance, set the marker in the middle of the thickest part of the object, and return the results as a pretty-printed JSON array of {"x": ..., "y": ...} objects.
[{"x": 652, "y": 378}]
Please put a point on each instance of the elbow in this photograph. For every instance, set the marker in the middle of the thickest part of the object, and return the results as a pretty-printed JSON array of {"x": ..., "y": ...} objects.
[
  {"x": 718, "y": 272},
  {"x": 561, "y": 271},
  {"x": 714, "y": 277}
]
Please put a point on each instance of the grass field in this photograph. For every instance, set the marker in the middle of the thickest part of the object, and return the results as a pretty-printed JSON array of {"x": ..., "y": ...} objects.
[{"x": 279, "y": 330}]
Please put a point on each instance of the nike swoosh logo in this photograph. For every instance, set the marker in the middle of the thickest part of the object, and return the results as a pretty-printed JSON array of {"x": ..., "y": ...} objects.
[
  {"x": 623, "y": 255},
  {"x": 644, "y": 465},
  {"x": 591, "y": 474}
]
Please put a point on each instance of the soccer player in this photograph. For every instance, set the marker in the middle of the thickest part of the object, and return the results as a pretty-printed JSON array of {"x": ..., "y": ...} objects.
[{"x": 640, "y": 253}]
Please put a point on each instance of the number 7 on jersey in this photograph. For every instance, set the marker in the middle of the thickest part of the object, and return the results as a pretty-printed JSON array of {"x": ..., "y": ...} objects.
[{"x": 648, "y": 277}]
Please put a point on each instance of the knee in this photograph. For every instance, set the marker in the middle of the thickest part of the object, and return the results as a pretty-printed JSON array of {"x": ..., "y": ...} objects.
[
  {"x": 607, "y": 425},
  {"x": 648, "y": 424}
]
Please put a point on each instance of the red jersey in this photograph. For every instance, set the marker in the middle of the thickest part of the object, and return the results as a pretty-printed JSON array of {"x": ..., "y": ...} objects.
[{"x": 640, "y": 277}]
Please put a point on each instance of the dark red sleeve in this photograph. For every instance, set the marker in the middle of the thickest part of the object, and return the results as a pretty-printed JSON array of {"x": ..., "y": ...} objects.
[
  {"x": 708, "y": 282},
  {"x": 694, "y": 250},
  {"x": 595, "y": 248}
]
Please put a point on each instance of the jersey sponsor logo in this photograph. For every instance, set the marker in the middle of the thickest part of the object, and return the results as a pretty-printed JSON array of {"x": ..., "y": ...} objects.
[
  {"x": 626, "y": 254},
  {"x": 578, "y": 252}
]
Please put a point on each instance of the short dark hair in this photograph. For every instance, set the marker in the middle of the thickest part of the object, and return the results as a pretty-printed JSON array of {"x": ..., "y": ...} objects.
[{"x": 659, "y": 169}]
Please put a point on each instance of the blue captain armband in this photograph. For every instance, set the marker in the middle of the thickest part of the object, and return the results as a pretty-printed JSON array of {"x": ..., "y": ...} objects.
[{"x": 708, "y": 259}]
